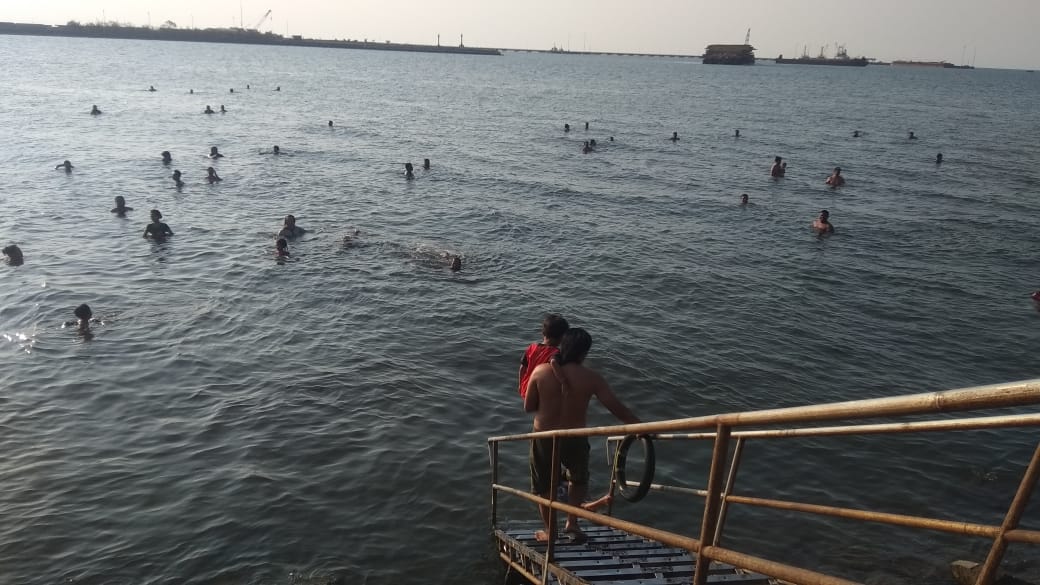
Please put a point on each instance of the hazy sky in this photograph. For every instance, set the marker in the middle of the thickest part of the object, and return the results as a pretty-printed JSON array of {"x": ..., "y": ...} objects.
[{"x": 1002, "y": 31}]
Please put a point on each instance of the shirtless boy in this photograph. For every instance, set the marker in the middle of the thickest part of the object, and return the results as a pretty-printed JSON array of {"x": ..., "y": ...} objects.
[{"x": 559, "y": 399}]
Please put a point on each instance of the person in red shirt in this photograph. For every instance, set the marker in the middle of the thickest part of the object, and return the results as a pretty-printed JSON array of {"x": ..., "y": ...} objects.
[{"x": 553, "y": 328}]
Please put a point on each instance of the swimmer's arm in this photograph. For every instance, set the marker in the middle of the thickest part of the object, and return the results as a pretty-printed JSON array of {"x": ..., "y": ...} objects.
[
  {"x": 146, "y": 230},
  {"x": 523, "y": 368}
]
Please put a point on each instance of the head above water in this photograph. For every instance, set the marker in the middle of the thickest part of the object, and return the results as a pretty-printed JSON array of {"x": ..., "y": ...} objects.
[
  {"x": 574, "y": 346},
  {"x": 14, "y": 254},
  {"x": 456, "y": 263},
  {"x": 290, "y": 221},
  {"x": 176, "y": 175},
  {"x": 743, "y": 198},
  {"x": 156, "y": 215},
  {"x": 426, "y": 163},
  {"x": 824, "y": 215},
  {"x": 330, "y": 123},
  {"x": 282, "y": 244},
  {"x": 166, "y": 156},
  {"x": 213, "y": 151},
  {"x": 120, "y": 202},
  {"x": 83, "y": 312},
  {"x": 276, "y": 149},
  {"x": 837, "y": 170},
  {"x": 408, "y": 167},
  {"x": 554, "y": 326},
  {"x": 777, "y": 159}
]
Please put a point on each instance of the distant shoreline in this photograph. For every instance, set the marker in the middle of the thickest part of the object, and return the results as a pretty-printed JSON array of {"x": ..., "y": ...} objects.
[{"x": 221, "y": 35}]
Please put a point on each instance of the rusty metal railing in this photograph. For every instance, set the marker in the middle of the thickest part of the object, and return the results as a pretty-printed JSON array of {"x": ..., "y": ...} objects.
[{"x": 718, "y": 495}]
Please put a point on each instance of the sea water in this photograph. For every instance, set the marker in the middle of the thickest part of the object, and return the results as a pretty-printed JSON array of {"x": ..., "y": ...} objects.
[{"x": 237, "y": 419}]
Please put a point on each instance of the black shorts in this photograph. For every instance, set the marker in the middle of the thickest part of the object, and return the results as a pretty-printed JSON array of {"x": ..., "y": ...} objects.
[{"x": 574, "y": 457}]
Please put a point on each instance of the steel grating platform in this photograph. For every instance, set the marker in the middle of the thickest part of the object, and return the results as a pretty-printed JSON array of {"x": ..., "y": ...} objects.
[{"x": 610, "y": 557}]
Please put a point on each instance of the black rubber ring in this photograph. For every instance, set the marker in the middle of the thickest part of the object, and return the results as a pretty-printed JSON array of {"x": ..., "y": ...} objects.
[{"x": 634, "y": 495}]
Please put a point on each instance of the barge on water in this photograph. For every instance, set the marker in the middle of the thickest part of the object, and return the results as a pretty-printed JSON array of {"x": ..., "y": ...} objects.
[
  {"x": 841, "y": 59},
  {"x": 931, "y": 64},
  {"x": 624, "y": 552},
  {"x": 729, "y": 55}
]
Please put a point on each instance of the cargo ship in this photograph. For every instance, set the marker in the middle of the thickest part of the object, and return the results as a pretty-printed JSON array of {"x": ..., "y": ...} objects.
[{"x": 841, "y": 58}]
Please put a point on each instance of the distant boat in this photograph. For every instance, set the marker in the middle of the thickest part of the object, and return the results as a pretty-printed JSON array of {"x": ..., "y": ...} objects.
[{"x": 841, "y": 58}]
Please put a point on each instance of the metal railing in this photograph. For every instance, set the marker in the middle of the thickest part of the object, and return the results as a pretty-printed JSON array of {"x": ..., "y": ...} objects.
[{"x": 718, "y": 494}]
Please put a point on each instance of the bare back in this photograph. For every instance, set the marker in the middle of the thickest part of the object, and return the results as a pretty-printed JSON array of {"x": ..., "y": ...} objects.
[{"x": 556, "y": 409}]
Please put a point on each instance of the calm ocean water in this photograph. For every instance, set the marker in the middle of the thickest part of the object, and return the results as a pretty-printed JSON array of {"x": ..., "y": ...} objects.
[{"x": 236, "y": 420}]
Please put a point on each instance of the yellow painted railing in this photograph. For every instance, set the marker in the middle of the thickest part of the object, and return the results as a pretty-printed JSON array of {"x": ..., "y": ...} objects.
[{"x": 723, "y": 429}]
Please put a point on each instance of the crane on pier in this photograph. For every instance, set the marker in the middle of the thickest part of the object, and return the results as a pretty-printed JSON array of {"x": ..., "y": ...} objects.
[{"x": 262, "y": 20}]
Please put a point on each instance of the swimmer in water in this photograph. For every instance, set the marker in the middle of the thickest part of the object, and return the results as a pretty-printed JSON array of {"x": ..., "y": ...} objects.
[
  {"x": 855, "y": 133},
  {"x": 211, "y": 175},
  {"x": 736, "y": 134},
  {"x": 232, "y": 90},
  {"x": 330, "y": 123},
  {"x": 408, "y": 174},
  {"x": 743, "y": 200},
  {"x": 208, "y": 110},
  {"x": 777, "y": 170},
  {"x": 83, "y": 316},
  {"x": 222, "y": 110},
  {"x": 835, "y": 180},
  {"x": 456, "y": 262},
  {"x": 167, "y": 158},
  {"x": 911, "y": 136},
  {"x": 938, "y": 159},
  {"x": 276, "y": 150},
  {"x": 566, "y": 127},
  {"x": 151, "y": 88},
  {"x": 191, "y": 92},
  {"x": 247, "y": 86},
  {"x": 66, "y": 166},
  {"x": 177, "y": 179},
  {"x": 426, "y": 164},
  {"x": 94, "y": 111},
  {"x": 213, "y": 153},
  {"x": 586, "y": 126},
  {"x": 157, "y": 230},
  {"x": 822, "y": 224},
  {"x": 349, "y": 239},
  {"x": 675, "y": 137},
  {"x": 279, "y": 88},
  {"x": 1035, "y": 296},
  {"x": 120, "y": 209},
  {"x": 289, "y": 228},
  {"x": 14, "y": 255},
  {"x": 592, "y": 143},
  {"x": 612, "y": 139},
  {"x": 585, "y": 149},
  {"x": 281, "y": 248}
]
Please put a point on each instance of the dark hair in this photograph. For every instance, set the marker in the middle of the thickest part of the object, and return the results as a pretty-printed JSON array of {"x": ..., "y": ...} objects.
[
  {"x": 778, "y": 159},
  {"x": 574, "y": 346},
  {"x": 156, "y": 214},
  {"x": 282, "y": 243},
  {"x": 554, "y": 326},
  {"x": 83, "y": 312}
]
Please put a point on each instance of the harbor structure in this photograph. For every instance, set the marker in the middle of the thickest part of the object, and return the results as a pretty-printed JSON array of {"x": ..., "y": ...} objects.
[{"x": 931, "y": 64}]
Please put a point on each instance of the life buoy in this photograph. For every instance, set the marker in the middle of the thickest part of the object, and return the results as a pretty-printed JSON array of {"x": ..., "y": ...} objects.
[{"x": 639, "y": 492}]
